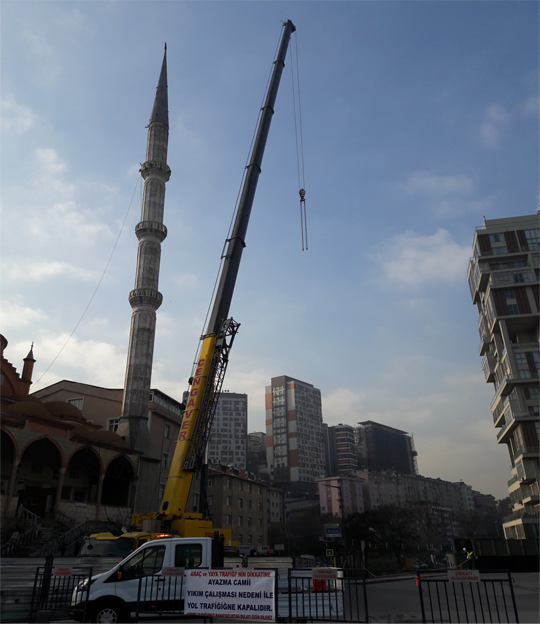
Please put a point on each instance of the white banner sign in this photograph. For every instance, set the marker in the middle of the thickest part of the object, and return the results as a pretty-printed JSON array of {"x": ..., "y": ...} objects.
[
  {"x": 463, "y": 576},
  {"x": 326, "y": 573},
  {"x": 243, "y": 594},
  {"x": 62, "y": 571}
]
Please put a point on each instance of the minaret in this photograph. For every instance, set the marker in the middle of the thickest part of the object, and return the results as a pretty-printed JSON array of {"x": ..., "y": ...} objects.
[
  {"x": 145, "y": 298},
  {"x": 28, "y": 369}
]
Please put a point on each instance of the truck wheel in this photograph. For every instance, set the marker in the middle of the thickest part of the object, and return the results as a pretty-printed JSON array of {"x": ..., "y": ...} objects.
[{"x": 110, "y": 612}]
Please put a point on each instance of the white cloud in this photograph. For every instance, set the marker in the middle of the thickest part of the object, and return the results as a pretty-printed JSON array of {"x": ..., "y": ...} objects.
[
  {"x": 342, "y": 406},
  {"x": 49, "y": 162},
  {"x": 428, "y": 183},
  {"x": 531, "y": 105},
  {"x": 92, "y": 362},
  {"x": 40, "y": 270},
  {"x": 14, "y": 315},
  {"x": 413, "y": 259},
  {"x": 53, "y": 208},
  {"x": 445, "y": 194},
  {"x": 495, "y": 121},
  {"x": 15, "y": 117}
]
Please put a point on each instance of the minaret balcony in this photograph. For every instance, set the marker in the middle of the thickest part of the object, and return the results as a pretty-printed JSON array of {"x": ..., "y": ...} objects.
[
  {"x": 145, "y": 297},
  {"x": 151, "y": 228},
  {"x": 156, "y": 168}
]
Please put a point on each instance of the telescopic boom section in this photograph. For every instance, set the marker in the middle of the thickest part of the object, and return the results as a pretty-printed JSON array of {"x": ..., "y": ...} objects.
[{"x": 198, "y": 414}]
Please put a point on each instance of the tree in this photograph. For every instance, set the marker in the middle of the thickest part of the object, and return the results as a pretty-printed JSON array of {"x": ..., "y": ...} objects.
[
  {"x": 397, "y": 529},
  {"x": 472, "y": 522}
]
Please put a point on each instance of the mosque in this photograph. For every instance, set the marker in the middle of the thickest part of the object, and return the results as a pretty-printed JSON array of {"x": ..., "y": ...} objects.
[{"x": 79, "y": 453}]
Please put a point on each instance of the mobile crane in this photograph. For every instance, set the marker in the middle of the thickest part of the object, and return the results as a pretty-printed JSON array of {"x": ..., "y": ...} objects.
[{"x": 211, "y": 365}]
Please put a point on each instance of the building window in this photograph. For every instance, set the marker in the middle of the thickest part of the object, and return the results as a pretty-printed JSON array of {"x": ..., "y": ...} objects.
[
  {"x": 259, "y": 506},
  {"x": 210, "y": 482},
  {"x": 164, "y": 460},
  {"x": 241, "y": 486},
  {"x": 161, "y": 491},
  {"x": 112, "y": 424},
  {"x": 77, "y": 402},
  {"x": 228, "y": 519},
  {"x": 167, "y": 430},
  {"x": 240, "y": 520},
  {"x": 228, "y": 483},
  {"x": 228, "y": 501},
  {"x": 240, "y": 503},
  {"x": 533, "y": 238},
  {"x": 210, "y": 500},
  {"x": 249, "y": 521}
]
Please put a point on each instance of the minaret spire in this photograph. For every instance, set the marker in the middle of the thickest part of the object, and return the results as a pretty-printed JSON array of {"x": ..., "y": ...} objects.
[
  {"x": 145, "y": 298},
  {"x": 160, "y": 112}
]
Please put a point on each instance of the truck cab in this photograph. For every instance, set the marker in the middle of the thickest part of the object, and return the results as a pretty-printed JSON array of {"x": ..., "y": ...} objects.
[
  {"x": 109, "y": 545},
  {"x": 151, "y": 576}
]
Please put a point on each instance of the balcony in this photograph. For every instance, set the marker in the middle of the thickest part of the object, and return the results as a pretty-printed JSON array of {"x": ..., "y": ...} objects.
[
  {"x": 488, "y": 367},
  {"x": 530, "y": 495},
  {"x": 527, "y": 452},
  {"x": 511, "y": 421},
  {"x": 516, "y": 407},
  {"x": 522, "y": 514},
  {"x": 478, "y": 276},
  {"x": 496, "y": 252}
]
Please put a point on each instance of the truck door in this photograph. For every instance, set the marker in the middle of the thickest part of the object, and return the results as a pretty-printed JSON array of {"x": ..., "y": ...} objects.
[{"x": 139, "y": 579}]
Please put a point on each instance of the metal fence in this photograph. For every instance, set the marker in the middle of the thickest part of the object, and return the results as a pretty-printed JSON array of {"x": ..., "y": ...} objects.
[
  {"x": 53, "y": 590},
  {"x": 301, "y": 598},
  {"x": 487, "y": 597}
]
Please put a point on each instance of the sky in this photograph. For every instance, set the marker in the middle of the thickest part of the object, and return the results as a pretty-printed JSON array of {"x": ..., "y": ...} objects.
[{"x": 418, "y": 120}]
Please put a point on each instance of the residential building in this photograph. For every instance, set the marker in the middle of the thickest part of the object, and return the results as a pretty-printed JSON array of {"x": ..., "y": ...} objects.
[
  {"x": 340, "y": 496},
  {"x": 227, "y": 443},
  {"x": 381, "y": 447},
  {"x": 256, "y": 453},
  {"x": 504, "y": 278},
  {"x": 381, "y": 488},
  {"x": 237, "y": 501},
  {"x": 294, "y": 431},
  {"x": 340, "y": 449}
]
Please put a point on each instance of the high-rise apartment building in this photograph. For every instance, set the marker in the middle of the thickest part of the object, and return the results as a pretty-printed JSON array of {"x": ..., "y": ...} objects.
[
  {"x": 228, "y": 437},
  {"x": 381, "y": 447},
  {"x": 340, "y": 449},
  {"x": 503, "y": 278},
  {"x": 294, "y": 431}
]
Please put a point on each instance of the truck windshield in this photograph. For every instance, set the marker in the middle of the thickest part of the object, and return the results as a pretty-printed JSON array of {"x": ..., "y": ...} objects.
[{"x": 108, "y": 547}]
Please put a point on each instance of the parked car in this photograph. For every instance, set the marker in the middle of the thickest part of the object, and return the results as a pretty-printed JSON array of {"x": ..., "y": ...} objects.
[{"x": 418, "y": 564}]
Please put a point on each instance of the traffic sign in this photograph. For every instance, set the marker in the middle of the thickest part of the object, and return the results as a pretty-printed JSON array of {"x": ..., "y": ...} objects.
[
  {"x": 333, "y": 532},
  {"x": 329, "y": 552}
]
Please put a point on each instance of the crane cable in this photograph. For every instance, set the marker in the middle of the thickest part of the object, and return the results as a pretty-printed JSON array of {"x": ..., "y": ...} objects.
[{"x": 299, "y": 150}]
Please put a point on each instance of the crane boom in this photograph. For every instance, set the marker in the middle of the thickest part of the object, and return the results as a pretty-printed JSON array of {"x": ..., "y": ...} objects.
[{"x": 216, "y": 343}]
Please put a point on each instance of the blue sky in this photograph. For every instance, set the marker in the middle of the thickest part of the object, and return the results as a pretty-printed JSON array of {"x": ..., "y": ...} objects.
[{"x": 419, "y": 119}]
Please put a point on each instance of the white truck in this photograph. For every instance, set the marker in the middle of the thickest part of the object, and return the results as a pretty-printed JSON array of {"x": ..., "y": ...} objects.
[{"x": 150, "y": 580}]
